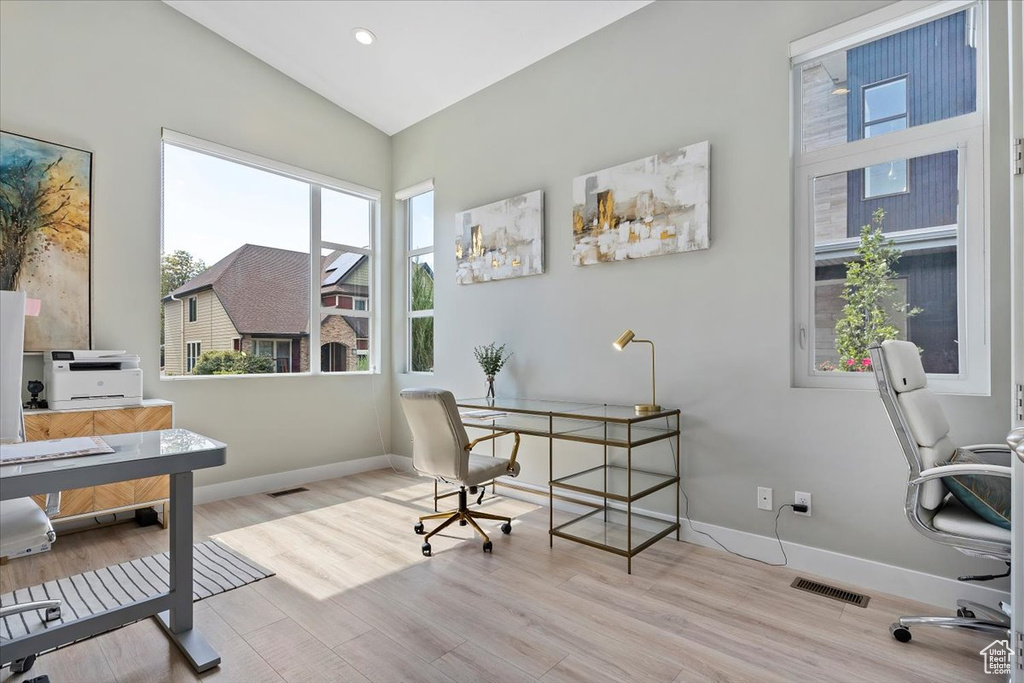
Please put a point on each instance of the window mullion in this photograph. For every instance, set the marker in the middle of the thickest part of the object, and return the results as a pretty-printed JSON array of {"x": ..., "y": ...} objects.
[{"x": 315, "y": 217}]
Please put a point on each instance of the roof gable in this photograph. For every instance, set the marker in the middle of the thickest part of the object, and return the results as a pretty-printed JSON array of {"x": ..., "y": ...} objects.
[{"x": 264, "y": 290}]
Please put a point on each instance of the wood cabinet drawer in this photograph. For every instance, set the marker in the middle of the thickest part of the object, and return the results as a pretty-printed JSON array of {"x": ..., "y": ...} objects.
[
  {"x": 116, "y": 495},
  {"x": 127, "y": 420},
  {"x": 58, "y": 425},
  {"x": 37, "y": 427},
  {"x": 120, "y": 421},
  {"x": 99, "y": 499},
  {"x": 152, "y": 488},
  {"x": 76, "y": 501},
  {"x": 150, "y": 419}
]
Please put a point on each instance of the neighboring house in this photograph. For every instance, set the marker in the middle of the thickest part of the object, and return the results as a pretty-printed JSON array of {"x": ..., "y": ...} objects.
[
  {"x": 872, "y": 89},
  {"x": 256, "y": 300}
]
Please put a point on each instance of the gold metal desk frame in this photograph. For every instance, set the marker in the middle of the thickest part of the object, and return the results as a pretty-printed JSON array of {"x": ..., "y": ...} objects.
[{"x": 612, "y": 525}]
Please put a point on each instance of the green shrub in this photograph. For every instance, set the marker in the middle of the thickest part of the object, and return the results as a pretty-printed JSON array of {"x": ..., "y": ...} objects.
[
  {"x": 254, "y": 365},
  {"x": 232, "y": 363}
]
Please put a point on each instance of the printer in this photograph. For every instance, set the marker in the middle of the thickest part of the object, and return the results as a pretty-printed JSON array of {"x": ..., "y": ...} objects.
[{"x": 92, "y": 379}]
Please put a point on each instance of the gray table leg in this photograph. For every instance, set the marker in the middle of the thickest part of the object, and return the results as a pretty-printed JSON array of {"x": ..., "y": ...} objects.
[{"x": 177, "y": 621}]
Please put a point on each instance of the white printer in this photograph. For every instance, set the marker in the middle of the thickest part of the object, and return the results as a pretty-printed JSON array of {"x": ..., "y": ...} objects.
[{"x": 92, "y": 379}]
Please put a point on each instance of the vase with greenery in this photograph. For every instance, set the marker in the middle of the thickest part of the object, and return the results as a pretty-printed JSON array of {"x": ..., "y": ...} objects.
[{"x": 492, "y": 359}]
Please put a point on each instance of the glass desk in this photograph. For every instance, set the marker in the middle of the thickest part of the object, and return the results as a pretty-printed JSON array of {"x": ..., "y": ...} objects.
[
  {"x": 177, "y": 452},
  {"x": 612, "y": 525}
]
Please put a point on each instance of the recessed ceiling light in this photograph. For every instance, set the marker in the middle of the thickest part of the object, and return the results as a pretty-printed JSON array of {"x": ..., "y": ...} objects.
[{"x": 364, "y": 36}]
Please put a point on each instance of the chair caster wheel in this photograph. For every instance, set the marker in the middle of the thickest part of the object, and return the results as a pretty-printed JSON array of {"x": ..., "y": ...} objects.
[
  {"x": 463, "y": 522},
  {"x": 900, "y": 632},
  {"x": 426, "y": 550},
  {"x": 487, "y": 546},
  {"x": 20, "y": 666},
  {"x": 964, "y": 613},
  {"x": 418, "y": 528},
  {"x": 506, "y": 528}
]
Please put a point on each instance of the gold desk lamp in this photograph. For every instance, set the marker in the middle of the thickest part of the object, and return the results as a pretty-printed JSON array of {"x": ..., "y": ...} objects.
[{"x": 620, "y": 344}]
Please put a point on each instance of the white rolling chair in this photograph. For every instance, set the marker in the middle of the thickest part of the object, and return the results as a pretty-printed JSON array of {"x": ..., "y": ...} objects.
[
  {"x": 23, "y": 525},
  {"x": 441, "y": 449},
  {"x": 923, "y": 433}
]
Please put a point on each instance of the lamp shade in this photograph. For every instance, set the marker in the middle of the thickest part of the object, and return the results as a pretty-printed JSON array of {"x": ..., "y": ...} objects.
[{"x": 623, "y": 339}]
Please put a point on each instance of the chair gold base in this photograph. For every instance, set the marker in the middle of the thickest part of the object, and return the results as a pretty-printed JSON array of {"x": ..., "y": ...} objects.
[{"x": 464, "y": 516}]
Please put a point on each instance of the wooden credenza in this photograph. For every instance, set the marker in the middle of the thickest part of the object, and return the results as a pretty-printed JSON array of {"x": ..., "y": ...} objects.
[{"x": 108, "y": 498}]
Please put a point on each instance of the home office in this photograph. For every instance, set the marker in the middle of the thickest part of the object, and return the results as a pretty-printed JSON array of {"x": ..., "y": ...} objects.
[{"x": 533, "y": 175}]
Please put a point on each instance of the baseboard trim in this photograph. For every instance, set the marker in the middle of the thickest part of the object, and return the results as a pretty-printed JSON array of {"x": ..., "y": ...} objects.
[
  {"x": 848, "y": 569},
  {"x": 281, "y": 480}
]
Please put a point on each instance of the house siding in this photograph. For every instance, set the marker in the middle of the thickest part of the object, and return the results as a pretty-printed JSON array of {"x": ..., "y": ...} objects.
[
  {"x": 931, "y": 201},
  {"x": 173, "y": 344},
  {"x": 941, "y": 82},
  {"x": 940, "y": 68},
  {"x": 212, "y": 329}
]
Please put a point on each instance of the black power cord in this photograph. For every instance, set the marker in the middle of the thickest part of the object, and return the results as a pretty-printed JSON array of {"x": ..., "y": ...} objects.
[
  {"x": 797, "y": 507},
  {"x": 784, "y": 563}
]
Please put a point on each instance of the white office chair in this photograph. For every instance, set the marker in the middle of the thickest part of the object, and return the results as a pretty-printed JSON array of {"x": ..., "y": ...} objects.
[
  {"x": 441, "y": 449},
  {"x": 923, "y": 433},
  {"x": 23, "y": 525}
]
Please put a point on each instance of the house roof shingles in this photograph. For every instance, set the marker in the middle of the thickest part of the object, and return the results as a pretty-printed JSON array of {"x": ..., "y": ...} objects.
[{"x": 264, "y": 290}]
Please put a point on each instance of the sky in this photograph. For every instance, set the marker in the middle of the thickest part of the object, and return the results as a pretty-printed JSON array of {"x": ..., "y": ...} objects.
[{"x": 213, "y": 206}]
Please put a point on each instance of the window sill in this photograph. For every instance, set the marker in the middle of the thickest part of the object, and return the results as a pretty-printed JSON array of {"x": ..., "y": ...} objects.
[
  {"x": 865, "y": 381},
  {"x": 267, "y": 375}
]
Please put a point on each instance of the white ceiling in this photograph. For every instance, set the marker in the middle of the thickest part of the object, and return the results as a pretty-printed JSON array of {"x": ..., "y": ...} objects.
[{"x": 428, "y": 55}]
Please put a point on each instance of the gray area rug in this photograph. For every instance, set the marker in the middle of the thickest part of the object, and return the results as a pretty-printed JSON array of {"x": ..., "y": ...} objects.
[{"x": 217, "y": 569}]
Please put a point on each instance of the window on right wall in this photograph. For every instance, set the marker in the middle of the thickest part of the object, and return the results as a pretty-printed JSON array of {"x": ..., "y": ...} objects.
[{"x": 889, "y": 198}]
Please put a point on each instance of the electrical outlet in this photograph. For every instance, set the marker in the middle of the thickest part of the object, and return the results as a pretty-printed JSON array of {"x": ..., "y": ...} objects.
[
  {"x": 802, "y": 498},
  {"x": 764, "y": 498}
]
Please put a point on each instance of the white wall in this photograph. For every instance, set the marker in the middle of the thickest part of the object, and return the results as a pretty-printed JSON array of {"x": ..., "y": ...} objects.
[
  {"x": 671, "y": 74},
  {"x": 105, "y": 77}
]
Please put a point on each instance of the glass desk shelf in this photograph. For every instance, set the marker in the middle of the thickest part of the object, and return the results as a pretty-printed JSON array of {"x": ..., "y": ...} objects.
[
  {"x": 610, "y": 481},
  {"x": 604, "y": 425},
  {"x": 616, "y": 531}
]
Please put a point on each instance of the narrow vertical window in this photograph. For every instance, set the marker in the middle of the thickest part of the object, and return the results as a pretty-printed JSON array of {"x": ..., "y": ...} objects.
[{"x": 420, "y": 275}]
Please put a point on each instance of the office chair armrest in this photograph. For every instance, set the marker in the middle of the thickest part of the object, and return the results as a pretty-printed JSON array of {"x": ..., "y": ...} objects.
[
  {"x": 955, "y": 470},
  {"x": 515, "y": 447},
  {"x": 987, "y": 448}
]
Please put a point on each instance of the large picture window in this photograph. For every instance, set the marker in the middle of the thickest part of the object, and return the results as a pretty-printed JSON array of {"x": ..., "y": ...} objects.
[
  {"x": 889, "y": 190},
  {"x": 252, "y": 252}
]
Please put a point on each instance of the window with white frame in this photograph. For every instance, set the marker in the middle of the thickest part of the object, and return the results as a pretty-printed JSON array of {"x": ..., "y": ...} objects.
[
  {"x": 419, "y": 212},
  {"x": 889, "y": 195},
  {"x": 252, "y": 235},
  {"x": 192, "y": 352}
]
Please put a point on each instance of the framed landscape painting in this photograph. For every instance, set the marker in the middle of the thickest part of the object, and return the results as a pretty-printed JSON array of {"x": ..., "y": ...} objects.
[
  {"x": 500, "y": 240},
  {"x": 649, "y": 207},
  {"x": 45, "y": 225}
]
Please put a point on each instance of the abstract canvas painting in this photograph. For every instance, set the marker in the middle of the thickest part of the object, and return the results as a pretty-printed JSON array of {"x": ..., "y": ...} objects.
[
  {"x": 501, "y": 240},
  {"x": 45, "y": 227},
  {"x": 653, "y": 206}
]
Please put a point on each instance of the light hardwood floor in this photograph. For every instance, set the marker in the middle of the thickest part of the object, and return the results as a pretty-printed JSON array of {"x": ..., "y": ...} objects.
[{"x": 354, "y": 600}]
